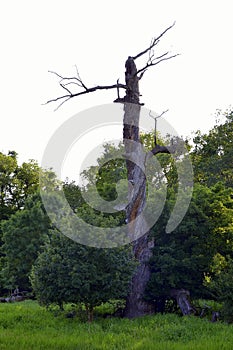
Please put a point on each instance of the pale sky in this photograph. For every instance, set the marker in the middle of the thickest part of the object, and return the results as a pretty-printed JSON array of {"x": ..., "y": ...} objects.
[{"x": 98, "y": 36}]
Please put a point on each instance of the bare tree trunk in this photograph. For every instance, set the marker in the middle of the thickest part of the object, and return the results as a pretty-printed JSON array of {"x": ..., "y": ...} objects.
[
  {"x": 135, "y": 305},
  {"x": 182, "y": 298},
  {"x": 90, "y": 313}
]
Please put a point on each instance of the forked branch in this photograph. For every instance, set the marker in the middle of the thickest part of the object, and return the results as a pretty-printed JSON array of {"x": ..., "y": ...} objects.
[
  {"x": 153, "y": 60},
  {"x": 68, "y": 81},
  {"x": 154, "y": 42}
]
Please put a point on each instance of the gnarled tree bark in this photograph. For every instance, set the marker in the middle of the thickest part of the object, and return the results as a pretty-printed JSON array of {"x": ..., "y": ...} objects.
[
  {"x": 135, "y": 305},
  {"x": 142, "y": 245}
]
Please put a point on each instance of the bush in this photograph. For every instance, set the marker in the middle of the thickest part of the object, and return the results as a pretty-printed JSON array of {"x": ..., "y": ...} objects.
[{"x": 70, "y": 272}]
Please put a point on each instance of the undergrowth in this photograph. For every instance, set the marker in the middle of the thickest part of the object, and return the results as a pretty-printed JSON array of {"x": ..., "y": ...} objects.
[{"x": 27, "y": 326}]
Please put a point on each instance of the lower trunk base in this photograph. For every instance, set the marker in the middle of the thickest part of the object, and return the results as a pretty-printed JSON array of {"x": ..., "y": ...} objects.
[
  {"x": 138, "y": 308},
  {"x": 182, "y": 298}
]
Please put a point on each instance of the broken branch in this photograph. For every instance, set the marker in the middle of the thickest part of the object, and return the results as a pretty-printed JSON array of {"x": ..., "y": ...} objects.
[{"x": 86, "y": 90}]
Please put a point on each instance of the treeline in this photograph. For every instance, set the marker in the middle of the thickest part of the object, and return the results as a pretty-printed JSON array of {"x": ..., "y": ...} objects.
[{"x": 197, "y": 256}]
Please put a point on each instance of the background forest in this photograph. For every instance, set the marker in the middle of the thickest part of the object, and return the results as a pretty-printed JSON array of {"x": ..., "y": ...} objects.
[{"x": 197, "y": 256}]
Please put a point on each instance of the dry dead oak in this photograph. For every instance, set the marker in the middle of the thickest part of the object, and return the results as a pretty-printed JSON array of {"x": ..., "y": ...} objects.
[{"x": 142, "y": 245}]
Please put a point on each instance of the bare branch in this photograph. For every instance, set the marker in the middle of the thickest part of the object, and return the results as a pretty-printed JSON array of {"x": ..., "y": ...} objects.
[
  {"x": 164, "y": 54},
  {"x": 154, "y": 42},
  {"x": 159, "y": 116},
  {"x": 65, "y": 81},
  {"x": 58, "y": 75},
  {"x": 155, "y": 128},
  {"x": 73, "y": 83},
  {"x": 79, "y": 78},
  {"x": 86, "y": 91},
  {"x": 60, "y": 104},
  {"x": 64, "y": 87},
  {"x": 154, "y": 62},
  {"x": 72, "y": 80}
]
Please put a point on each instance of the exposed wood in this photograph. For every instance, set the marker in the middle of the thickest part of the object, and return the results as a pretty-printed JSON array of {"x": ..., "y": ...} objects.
[
  {"x": 182, "y": 298},
  {"x": 142, "y": 245}
]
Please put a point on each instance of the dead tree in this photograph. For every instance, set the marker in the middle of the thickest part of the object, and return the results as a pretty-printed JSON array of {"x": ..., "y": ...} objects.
[{"x": 142, "y": 245}]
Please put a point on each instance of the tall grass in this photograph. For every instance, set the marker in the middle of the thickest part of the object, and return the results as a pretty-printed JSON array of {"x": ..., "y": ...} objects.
[{"x": 27, "y": 326}]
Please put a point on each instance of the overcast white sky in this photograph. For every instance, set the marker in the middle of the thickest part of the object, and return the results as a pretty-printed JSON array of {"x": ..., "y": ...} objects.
[{"x": 98, "y": 36}]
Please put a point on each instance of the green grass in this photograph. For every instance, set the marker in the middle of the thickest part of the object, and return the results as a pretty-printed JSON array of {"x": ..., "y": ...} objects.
[{"x": 27, "y": 326}]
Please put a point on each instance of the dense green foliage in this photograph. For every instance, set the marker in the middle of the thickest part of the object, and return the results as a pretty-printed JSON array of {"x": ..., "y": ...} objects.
[
  {"x": 180, "y": 259},
  {"x": 23, "y": 237},
  {"x": 213, "y": 152},
  {"x": 17, "y": 184},
  {"x": 70, "y": 272},
  {"x": 190, "y": 256},
  {"x": 221, "y": 284}
]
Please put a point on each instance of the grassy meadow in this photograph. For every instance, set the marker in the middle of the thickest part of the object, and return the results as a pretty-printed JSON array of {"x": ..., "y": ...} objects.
[{"x": 27, "y": 326}]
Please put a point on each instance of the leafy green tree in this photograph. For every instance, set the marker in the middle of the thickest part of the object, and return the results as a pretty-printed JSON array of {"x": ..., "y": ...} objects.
[
  {"x": 23, "y": 235},
  {"x": 213, "y": 152},
  {"x": 102, "y": 186},
  {"x": 16, "y": 183},
  {"x": 69, "y": 272},
  {"x": 183, "y": 258},
  {"x": 221, "y": 285},
  {"x": 110, "y": 169},
  {"x": 8, "y": 166},
  {"x": 73, "y": 195}
]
